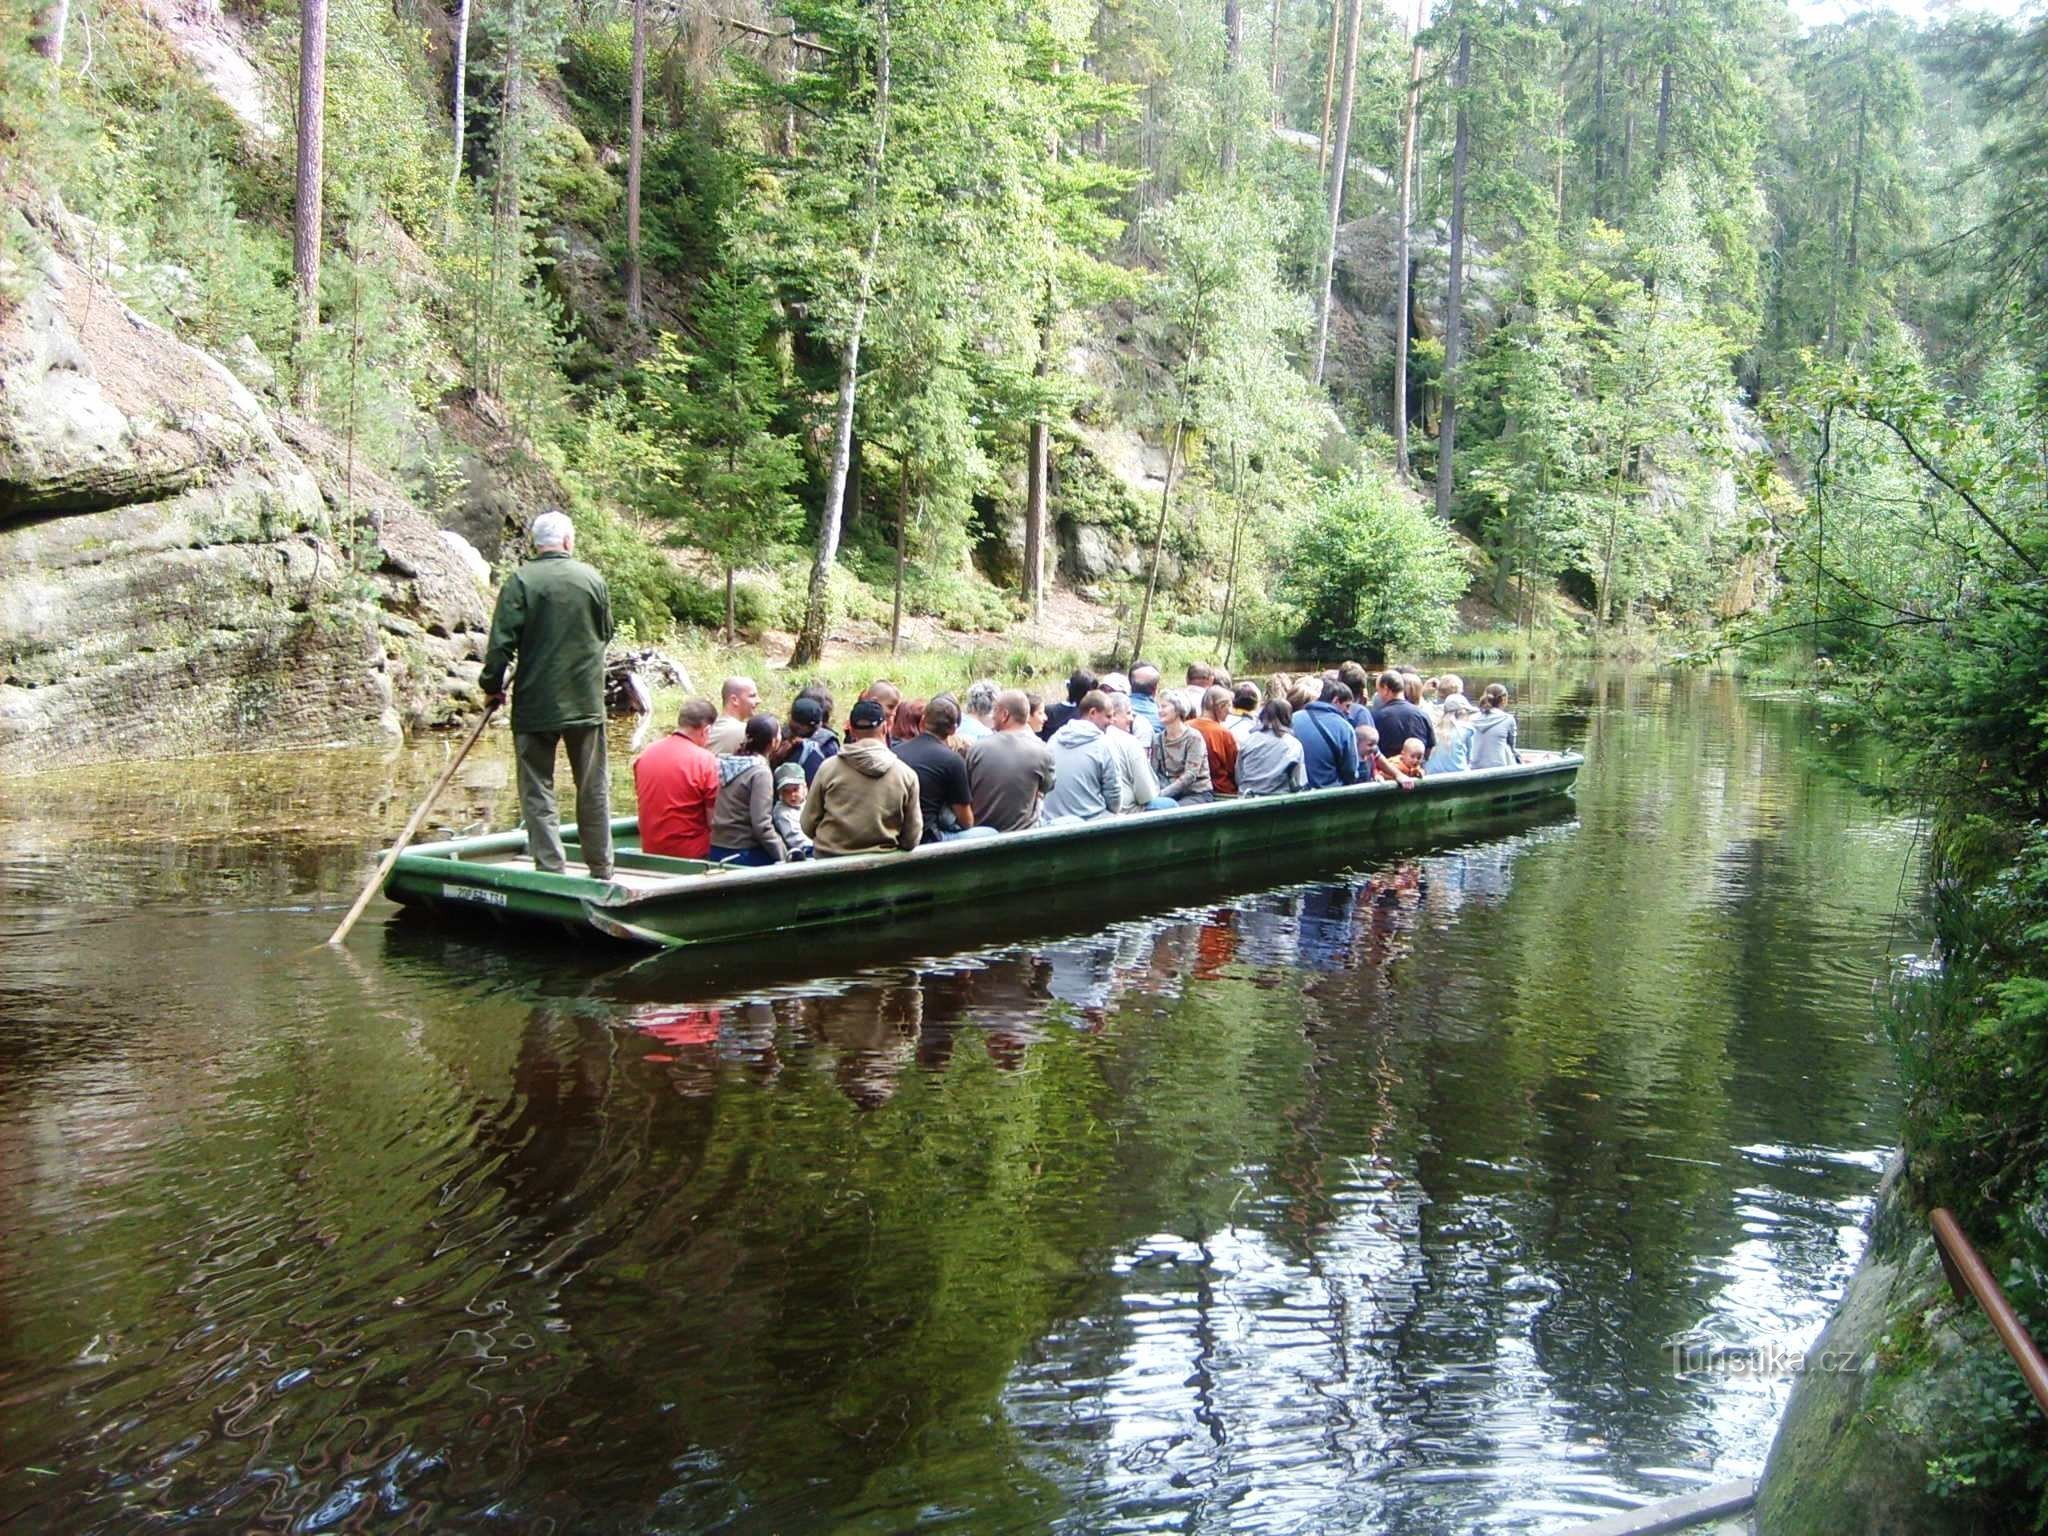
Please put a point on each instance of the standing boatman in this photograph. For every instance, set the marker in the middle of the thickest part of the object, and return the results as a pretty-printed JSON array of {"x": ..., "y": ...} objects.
[{"x": 554, "y": 615}]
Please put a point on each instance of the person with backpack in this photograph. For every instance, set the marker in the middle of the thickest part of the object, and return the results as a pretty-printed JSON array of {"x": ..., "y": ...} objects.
[{"x": 1329, "y": 749}]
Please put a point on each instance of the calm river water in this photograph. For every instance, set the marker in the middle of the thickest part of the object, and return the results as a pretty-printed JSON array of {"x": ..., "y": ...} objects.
[{"x": 1368, "y": 1204}]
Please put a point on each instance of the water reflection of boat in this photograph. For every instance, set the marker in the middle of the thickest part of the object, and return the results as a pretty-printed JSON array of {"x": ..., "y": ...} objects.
[{"x": 684, "y": 903}]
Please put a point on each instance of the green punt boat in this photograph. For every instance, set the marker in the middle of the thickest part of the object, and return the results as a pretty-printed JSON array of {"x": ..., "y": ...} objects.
[{"x": 681, "y": 903}]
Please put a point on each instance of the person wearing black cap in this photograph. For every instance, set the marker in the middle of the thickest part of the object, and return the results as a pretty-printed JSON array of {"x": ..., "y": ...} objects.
[{"x": 865, "y": 799}]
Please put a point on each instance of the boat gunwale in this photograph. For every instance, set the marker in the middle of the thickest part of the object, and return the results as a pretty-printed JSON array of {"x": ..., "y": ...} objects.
[{"x": 445, "y": 861}]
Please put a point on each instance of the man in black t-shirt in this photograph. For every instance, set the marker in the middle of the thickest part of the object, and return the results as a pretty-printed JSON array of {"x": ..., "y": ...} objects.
[
  {"x": 1397, "y": 719},
  {"x": 942, "y": 793}
]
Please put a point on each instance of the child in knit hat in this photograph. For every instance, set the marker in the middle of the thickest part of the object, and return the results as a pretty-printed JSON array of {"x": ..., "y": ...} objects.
[{"x": 787, "y": 811}]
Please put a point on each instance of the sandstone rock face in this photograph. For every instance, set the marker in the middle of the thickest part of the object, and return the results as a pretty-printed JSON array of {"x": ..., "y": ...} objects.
[
  {"x": 169, "y": 583},
  {"x": 1852, "y": 1450}
]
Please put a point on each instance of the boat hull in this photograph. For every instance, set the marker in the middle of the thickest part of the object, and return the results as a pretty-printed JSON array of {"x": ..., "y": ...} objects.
[{"x": 678, "y": 903}]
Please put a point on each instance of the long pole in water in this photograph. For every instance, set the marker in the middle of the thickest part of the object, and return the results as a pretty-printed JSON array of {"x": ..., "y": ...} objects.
[{"x": 419, "y": 815}]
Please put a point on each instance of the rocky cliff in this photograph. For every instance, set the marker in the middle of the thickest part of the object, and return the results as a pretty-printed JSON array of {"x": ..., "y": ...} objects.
[
  {"x": 1879, "y": 1398},
  {"x": 171, "y": 581}
]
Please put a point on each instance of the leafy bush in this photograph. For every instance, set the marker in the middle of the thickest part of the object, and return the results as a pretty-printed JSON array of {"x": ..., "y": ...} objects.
[{"x": 1373, "y": 573}]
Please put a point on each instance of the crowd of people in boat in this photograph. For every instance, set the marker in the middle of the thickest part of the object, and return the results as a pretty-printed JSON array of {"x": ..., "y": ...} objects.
[{"x": 736, "y": 785}]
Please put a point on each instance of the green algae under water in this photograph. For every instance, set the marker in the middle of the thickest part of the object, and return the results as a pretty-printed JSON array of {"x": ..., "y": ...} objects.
[{"x": 1369, "y": 1204}]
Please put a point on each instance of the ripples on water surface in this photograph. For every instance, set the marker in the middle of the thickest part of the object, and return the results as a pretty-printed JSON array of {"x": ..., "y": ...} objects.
[{"x": 1366, "y": 1204}]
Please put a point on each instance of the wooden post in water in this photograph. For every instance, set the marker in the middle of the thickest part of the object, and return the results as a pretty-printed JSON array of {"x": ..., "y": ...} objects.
[{"x": 419, "y": 815}]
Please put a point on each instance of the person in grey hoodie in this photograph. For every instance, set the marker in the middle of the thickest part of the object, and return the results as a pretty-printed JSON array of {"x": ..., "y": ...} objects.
[
  {"x": 1493, "y": 732},
  {"x": 1086, "y": 781},
  {"x": 742, "y": 820}
]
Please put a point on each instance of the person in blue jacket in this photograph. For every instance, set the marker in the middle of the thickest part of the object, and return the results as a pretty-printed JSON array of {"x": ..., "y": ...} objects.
[{"x": 1329, "y": 747}]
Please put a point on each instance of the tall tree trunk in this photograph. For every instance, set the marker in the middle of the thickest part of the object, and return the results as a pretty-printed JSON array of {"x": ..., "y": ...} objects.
[
  {"x": 1239, "y": 516},
  {"x": 306, "y": 207},
  {"x": 1454, "y": 298},
  {"x": 47, "y": 36},
  {"x": 1233, "y": 69},
  {"x": 1159, "y": 529},
  {"x": 1628, "y": 138},
  {"x": 1037, "y": 472},
  {"x": 1329, "y": 86},
  {"x": 789, "y": 83},
  {"x": 810, "y": 640},
  {"x": 504, "y": 195},
  {"x": 1342, "y": 153},
  {"x": 731, "y": 615},
  {"x": 1035, "y": 517},
  {"x": 1600, "y": 117},
  {"x": 1410, "y": 110},
  {"x": 460, "y": 104},
  {"x": 1663, "y": 119},
  {"x": 634, "y": 137},
  {"x": 1852, "y": 274},
  {"x": 1273, "y": 58},
  {"x": 902, "y": 555},
  {"x": 1563, "y": 142}
]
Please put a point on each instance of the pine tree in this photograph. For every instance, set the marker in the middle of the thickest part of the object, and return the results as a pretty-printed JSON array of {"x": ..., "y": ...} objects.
[{"x": 716, "y": 469}]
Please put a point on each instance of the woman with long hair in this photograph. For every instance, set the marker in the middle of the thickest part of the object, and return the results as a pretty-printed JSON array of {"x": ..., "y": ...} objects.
[{"x": 1269, "y": 760}]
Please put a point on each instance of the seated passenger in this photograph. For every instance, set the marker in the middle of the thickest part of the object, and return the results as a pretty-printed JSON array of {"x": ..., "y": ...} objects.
[
  {"x": 740, "y": 698},
  {"x": 1451, "y": 690},
  {"x": 1182, "y": 756},
  {"x": 787, "y": 812},
  {"x": 1269, "y": 761},
  {"x": 884, "y": 693},
  {"x": 1145, "y": 692},
  {"x": 1201, "y": 675},
  {"x": 1371, "y": 760},
  {"x": 1453, "y": 751},
  {"x": 1493, "y": 732},
  {"x": 1140, "y": 789},
  {"x": 1080, "y": 683},
  {"x": 1036, "y": 701},
  {"x": 1353, "y": 676},
  {"x": 676, "y": 781},
  {"x": 907, "y": 723},
  {"x": 1328, "y": 745},
  {"x": 1217, "y": 736},
  {"x": 742, "y": 826},
  {"x": 865, "y": 799},
  {"x": 1086, "y": 783},
  {"x": 978, "y": 718},
  {"x": 1244, "y": 710},
  {"x": 810, "y": 731},
  {"x": 1117, "y": 686},
  {"x": 1010, "y": 769},
  {"x": 1396, "y": 718},
  {"x": 1410, "y": 763},
  {"x": 942, "y": 795}
]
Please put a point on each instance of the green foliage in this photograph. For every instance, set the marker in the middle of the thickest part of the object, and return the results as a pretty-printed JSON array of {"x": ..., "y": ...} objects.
[
  {"x": 1373, "y": 573},
  {"x": 711, "y": 464},
  {"x": 387, "y": 151}
]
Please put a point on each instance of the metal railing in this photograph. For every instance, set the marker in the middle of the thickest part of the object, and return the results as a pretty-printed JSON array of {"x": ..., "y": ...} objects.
[{"x": 1968, "y": 1276}]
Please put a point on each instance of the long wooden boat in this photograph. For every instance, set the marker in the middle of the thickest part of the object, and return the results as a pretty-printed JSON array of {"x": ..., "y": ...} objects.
[{"x": 676, "y": 903}]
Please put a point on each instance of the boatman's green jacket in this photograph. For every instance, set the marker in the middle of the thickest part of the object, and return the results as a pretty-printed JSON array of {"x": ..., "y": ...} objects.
[{"x": 554, "y": 615}]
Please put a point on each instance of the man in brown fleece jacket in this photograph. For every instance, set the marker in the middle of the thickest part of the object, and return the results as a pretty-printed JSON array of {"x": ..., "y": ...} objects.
[{"x": 865, "y": 799}]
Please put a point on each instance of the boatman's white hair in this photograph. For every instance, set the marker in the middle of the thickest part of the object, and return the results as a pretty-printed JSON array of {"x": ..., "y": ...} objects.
[{"x": 553, "y": 530}]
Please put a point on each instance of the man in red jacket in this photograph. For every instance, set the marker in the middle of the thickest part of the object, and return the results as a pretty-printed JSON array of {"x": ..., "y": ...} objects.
[{"x": 676, "y": 780}]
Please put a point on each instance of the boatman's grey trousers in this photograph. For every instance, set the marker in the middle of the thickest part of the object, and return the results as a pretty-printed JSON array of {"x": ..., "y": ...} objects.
[{"x": 536, "y": 753}]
